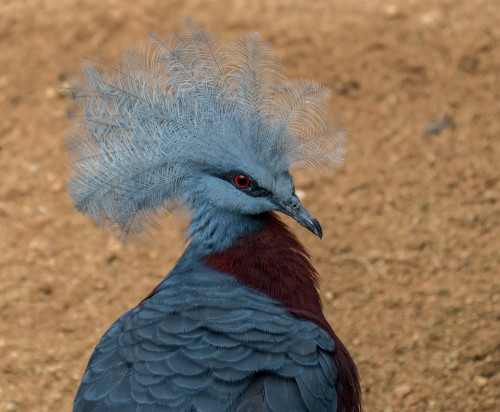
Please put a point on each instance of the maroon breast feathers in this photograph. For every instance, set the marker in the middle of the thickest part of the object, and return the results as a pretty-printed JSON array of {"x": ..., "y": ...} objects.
[{"x": 273, "y": 261}]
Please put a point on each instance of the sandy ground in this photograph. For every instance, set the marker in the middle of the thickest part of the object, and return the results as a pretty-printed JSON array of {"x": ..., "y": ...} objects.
[{"x": 410, "y": 255}]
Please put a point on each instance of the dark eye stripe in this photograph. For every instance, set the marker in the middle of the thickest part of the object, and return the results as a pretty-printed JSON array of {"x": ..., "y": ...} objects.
[
  {"x": 259, "y": 192},
  {"x": 252, "y": 188}
]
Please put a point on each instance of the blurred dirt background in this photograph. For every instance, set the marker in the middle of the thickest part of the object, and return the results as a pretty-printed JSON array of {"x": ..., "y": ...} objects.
[{"x": 410, "y": 255}]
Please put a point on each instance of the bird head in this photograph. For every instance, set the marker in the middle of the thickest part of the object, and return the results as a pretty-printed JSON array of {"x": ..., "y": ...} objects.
[
  {"x": 187, "y": 121},
  {"x": 254, "y": 189}
]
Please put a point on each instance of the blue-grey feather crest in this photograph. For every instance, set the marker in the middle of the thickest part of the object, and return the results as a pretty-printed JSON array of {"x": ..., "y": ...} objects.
[{"x": 181, "y": 104}]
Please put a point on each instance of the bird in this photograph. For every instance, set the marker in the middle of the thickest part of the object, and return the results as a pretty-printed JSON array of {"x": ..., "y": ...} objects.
[{"x": 186, "y": 123}]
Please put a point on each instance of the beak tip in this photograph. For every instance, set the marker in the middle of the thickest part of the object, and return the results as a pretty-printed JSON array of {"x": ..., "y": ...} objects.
[{"x": 318, "y": 230}]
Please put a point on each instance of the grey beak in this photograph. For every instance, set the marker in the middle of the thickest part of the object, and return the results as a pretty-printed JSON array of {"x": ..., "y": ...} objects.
[{"x": 296, "y": 210}]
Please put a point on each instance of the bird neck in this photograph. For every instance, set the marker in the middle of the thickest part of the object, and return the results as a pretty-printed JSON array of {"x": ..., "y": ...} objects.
[{"x": 213, "y": 231}]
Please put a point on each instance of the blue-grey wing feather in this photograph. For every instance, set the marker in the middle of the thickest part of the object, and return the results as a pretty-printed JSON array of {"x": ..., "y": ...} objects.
[{"x": 187, "y": 354}]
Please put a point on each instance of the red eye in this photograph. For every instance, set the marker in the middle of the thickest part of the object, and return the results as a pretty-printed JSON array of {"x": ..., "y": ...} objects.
[{"x": 241, "y": 181}]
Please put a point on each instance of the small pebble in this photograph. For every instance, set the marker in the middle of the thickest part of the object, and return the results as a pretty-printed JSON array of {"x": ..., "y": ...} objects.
[
  {"x": 392, "y": 11},
  {"x": 481, "y": 381},
  {"x": 111, "y": 257},
  {"x": 489, "y": 402},
  {"x": 437, "y": 128},
  {"x": 57, "y": 187},
  {"x": 50, "y": 92},
  {"x": 430, "y": 18},
  {"x": 153, "y": 254},
  {"x": 402, "y": 390}
]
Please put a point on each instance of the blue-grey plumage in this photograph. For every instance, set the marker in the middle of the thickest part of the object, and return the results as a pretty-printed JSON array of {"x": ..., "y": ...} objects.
[
  {"x": 202, "y": 343},
  {"x": 160, "y": 129},
  {"x": 213, "y": 130}
]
